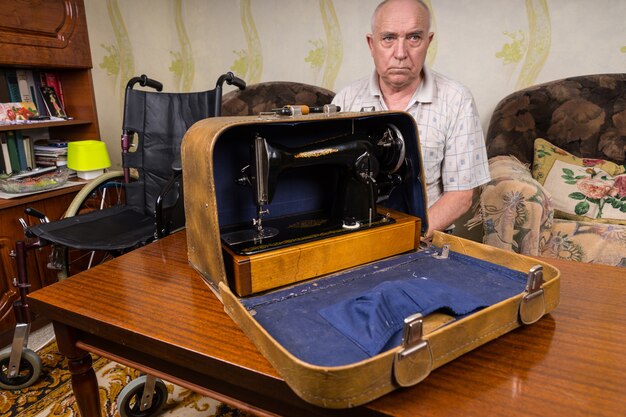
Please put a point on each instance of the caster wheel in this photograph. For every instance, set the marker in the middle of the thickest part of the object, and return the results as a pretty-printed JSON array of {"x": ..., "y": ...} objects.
[
  {"x": 129, "y": 400},
  {"x": 30, "y": 369}
]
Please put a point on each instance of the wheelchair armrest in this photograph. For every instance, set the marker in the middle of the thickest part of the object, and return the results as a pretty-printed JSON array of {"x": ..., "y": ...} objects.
[
  {"x": 177, "y": 165},
  {"x": 164, "y": 211},
  {"x": 32, "y": 212},
  {"x": 36, "y": 213},
  {"x": 515, "y": 210}
]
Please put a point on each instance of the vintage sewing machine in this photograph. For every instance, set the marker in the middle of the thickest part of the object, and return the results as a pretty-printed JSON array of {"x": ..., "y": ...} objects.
[{"x": 356, "y": 171}]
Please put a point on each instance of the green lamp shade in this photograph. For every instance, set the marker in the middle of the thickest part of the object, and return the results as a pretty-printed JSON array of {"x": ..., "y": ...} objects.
[{"x": 87, "y": 155}]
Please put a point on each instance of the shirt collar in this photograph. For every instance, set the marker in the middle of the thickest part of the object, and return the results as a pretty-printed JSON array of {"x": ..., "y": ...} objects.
[
  {"x": 374, "y": 87},
  {"x": 424, "y": 94}
]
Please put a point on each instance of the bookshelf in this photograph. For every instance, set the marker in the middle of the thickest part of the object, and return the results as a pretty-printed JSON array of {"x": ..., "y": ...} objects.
[
  {"x": 46, "y": 125},
  {"x": 44, "y": 36}
]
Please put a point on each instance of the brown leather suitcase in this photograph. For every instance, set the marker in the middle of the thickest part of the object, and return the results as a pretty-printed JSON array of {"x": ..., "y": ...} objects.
[{"x": 333, "y": 285}]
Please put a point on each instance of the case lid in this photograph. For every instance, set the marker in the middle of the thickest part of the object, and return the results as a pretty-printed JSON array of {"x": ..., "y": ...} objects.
[{"x": 215, "y": 150}]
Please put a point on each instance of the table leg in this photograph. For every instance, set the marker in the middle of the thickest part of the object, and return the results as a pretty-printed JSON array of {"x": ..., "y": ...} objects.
[{"x": 84, "y": 382}]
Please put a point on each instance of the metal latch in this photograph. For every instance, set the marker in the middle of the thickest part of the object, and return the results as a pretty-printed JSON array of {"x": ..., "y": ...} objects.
[
  {"x": 414, "y": 361},
  {"x": 533, "y": 305},
  {"x": 445, "y": 252}
]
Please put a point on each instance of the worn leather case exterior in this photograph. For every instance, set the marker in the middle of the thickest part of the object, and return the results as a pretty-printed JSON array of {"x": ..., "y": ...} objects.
[
  {"x": 359, "y": 383},
  {"x": 442, "y": 339}
]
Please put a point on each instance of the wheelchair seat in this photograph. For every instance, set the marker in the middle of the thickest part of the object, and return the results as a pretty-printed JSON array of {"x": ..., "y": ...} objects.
[{"x": 114, "y": 228}]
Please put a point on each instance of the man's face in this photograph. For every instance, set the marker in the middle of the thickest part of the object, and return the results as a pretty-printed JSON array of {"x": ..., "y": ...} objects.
[{"x": 399, "y": 44}]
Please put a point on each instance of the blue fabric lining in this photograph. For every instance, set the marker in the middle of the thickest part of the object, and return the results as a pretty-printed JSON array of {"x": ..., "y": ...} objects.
[
  {"x": 373, "y": 317},
  {"x": 292, "y": 315}
]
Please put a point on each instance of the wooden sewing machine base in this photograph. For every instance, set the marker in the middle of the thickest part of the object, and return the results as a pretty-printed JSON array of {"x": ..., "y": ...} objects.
[{"x": 249, "y": 274}]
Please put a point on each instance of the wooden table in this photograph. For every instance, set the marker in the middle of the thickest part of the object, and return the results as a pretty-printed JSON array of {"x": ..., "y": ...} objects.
[{"x": 150, "y": 310}]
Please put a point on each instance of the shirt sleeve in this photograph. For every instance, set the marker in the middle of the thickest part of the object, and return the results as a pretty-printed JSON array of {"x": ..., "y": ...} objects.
[
  {"x": 349, "y": 98},
  {"x": 465, "y": 165},
  {"x": 340, "y": 99}
]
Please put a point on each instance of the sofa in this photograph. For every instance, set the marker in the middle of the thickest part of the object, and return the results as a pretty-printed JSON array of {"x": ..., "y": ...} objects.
[
  {"x": 265, "y": 96},
  {"x": 556, "y": 155}
]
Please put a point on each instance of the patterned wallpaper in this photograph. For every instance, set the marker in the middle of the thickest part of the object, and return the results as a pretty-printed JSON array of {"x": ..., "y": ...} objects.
[{"x": 493, "y": 47}]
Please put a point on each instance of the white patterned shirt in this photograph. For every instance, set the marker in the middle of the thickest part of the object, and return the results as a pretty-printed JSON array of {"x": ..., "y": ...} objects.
[{"x": 450, "y": 134}]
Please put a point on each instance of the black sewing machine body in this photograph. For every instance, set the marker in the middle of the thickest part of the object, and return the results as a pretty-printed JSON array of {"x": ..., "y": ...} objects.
[{"x": 357, "y": 170}]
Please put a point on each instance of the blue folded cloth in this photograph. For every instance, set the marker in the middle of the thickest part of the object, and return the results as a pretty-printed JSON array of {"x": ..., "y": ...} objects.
[
  {"x": 372, "y": 318},
  {"x": 292, "y": 315}
]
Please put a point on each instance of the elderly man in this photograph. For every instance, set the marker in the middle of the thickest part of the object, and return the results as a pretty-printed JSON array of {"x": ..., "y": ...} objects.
[{"x": 450, "y": 134}]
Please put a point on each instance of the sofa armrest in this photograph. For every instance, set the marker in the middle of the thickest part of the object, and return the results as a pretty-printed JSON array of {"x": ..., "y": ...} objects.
[{"x": 515, "y": 210}]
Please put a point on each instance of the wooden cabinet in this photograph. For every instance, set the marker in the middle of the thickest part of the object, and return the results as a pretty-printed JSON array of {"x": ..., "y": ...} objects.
[
  {"x": 53, "y": 204},
  {"x": 44, "y": 35}
]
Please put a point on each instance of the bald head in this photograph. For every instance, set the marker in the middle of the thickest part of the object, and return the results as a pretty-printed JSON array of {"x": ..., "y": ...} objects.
[{"x": 391, "y": 3}]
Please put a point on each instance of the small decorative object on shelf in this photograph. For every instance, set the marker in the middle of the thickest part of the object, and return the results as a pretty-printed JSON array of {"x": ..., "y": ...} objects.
[
  {"x": 88, "y": 158},
  {"x": 39, "y": 179}
]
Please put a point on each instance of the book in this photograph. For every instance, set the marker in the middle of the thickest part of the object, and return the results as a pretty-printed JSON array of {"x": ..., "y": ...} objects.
[
  {"x": 12, "y": 148},
  {"x": 53, "y": 80},
  {"x": 28, "y": 150},
  {"x": 14, "y": 88},
  {"x": 12, "y": 113},
  {"x": 50, "y": 152},
  {"x": 21, "y": 150},
  {"x": 3, "y": 170},
  {"x": 4, "y": 88},
  {"x": 41, "y": 105},
  {"x": 7, "y": 115},
  {"x": 22, "y": 83},
  {"x": 34, "y": 93},
  {"x": 52, "y": 101},
  {"x": 4, "y": 148}
]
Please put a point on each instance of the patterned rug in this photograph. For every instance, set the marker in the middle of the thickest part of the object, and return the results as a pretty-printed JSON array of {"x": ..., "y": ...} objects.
[{"x": 52, "y": 395}]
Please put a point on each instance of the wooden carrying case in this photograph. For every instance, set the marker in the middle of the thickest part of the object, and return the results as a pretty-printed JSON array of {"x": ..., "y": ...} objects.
[{"x": 416, "y": 309}]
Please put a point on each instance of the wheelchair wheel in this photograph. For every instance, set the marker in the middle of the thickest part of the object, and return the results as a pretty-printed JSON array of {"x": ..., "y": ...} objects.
[
  {"x": 105, "y": 191},
  {"x": 129, "y": 400},
  {"x": 30, "y": 369}
]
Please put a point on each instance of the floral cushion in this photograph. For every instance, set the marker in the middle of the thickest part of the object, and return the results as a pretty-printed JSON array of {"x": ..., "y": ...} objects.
[
  {"x": 545, "y": 154},
  {"x": 581, "y": 189},
  {"x": 516, "y": 214},
  {"x": 515, "y": 210},
  {"x": 599, "y": 243}
]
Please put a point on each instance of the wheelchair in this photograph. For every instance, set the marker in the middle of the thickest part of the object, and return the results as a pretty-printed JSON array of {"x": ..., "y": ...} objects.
[{"x": 116, "y": 213}]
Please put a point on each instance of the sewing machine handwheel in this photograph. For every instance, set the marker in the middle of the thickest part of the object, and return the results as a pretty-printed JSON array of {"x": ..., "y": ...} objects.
[
  {"x": 392, "y": 150},
  {"x": 30, "y": 369},
  {"x": 129, "y": 400}
]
